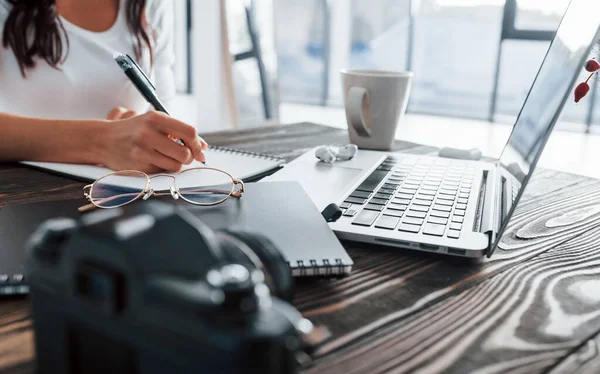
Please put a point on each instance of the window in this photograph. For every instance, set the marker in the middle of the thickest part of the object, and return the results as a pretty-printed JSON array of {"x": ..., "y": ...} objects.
[
  {"x": 255, "y": 68},
  {"x": 301, "y": 46},
  {"x": 456, "y": 44},
  {"x": 464, "y": 53},
  {"x": 182, "y": 25},
  {"x": 251, "y": 77}
]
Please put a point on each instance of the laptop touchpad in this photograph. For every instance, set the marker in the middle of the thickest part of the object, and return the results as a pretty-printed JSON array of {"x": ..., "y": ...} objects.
[{"x": 322, "y": 182}]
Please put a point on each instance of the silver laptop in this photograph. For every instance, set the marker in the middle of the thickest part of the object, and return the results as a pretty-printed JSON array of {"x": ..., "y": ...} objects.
[{"x": 447, "y": 206}]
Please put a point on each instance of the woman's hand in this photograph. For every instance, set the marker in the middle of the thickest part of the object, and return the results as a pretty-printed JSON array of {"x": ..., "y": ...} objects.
[{"x": 141, "y": 142}]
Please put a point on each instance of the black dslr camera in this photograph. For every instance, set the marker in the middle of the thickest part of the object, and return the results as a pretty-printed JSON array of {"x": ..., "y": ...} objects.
[{"x": 151, "y": 289}]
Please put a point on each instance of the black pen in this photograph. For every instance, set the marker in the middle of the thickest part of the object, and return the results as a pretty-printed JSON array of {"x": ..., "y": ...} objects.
[{"x": 141, "y": 81}]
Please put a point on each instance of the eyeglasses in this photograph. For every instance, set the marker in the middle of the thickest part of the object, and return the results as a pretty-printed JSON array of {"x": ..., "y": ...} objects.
[{"x": 199, "y": 186}]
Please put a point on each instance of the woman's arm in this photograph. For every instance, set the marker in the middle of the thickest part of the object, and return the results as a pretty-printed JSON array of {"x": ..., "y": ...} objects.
[
  {"x": 48, "y": 140},
  {"x": 139, "y": 142}
]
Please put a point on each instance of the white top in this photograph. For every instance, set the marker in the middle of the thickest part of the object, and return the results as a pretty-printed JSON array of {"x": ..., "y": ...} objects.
[{"x": 89, "y": 83}]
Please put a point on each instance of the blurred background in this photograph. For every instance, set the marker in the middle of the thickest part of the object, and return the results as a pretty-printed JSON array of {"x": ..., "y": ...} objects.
[{"x": 471, "y": 58}]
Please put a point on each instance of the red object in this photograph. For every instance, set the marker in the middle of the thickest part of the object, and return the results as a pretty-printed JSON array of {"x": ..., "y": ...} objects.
[
  {"x": 581, "y": 90},
  {"x": 592, "y": 66}
]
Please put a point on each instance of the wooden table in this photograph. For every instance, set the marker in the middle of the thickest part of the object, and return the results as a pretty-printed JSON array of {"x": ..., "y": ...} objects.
[{"x": 533, "y": 307}]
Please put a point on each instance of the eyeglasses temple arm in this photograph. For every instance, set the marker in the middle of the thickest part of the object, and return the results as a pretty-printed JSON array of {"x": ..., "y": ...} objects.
[{"x": 86, "y": 208}]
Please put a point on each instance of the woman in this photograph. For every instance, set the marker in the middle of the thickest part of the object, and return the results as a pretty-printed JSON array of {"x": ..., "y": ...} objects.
[{"x": 64, "y": 99}]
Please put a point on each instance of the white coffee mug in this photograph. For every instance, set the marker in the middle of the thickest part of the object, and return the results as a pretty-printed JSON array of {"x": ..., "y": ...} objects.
[{"x": 374, "y": 102}]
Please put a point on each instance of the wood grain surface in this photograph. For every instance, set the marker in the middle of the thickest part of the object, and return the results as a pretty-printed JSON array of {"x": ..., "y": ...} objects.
[{"x": 533, "y": 307}]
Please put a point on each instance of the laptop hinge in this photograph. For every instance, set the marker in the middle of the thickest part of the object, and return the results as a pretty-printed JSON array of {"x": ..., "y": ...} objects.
[{"x": 489, "y": 194}]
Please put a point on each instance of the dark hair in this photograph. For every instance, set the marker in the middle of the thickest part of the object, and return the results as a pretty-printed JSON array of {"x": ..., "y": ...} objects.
[{"x": 33, "y": 30}]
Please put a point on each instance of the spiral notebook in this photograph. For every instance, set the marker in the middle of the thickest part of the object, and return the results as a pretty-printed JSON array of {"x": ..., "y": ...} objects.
[
  {"x": 240, "y": 164},
  {"x": 281, "y": 211}
]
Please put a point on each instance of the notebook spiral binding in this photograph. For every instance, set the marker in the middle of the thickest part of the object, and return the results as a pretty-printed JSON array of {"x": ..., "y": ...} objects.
[
  {"x": 245, "y": 153},
  {"x": 328, "y": 269}
]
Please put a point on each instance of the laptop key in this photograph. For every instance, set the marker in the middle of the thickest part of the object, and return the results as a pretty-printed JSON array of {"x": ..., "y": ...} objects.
[
  {"x": 409, "y": 228},
  {"x": 447, "y": 187},
  {"x": 407, "y": 192},
  {"x": 377, "y": 208},
  {"x": 438, "y": 220},
  {"x": 440, "y": 214},
  {"x": 447, "y": 192},
  {"x": 444, "y": 202},
  {"x": 434, "y": 229},
  {"x": 453, "y": 234},
  {"x": 445, "y": 197},
  {"x": 408, "y": 189},
  {"x": 384, "y": 196},
  {"x": 387, "y": 222},
  {"x": 393, "y": 213},
  {"x": 386, "y": 190},
  {"x": 460, "y": 213},
  {"x": 443, "y": 208},
  {"x": 422, "y": 202},
  {"x": 372, "y": 181},
  {"x": 420, "y": 208},
  {"x": 463, "y": 195},
  {"x": 425, "y": 191},
  {"x": 365, "y": 218},
  {"x": 395, "y": 206},
  {"x": 401, "y": 201},
  {"x": 404, "y": 196},
  {"x": 345, "y": 205},
  {"x": 355, "y": 200},
  {"x": 350, "y": 213},
  {"x": 462, "y": 201},
  {"x": 458, "y": 219},
  {"x": 415, "y": 214},
  {"x": 461, "y": 206},
  {"x": 420, "y": 196},
  {"x": 410, "y": 186},
  {"x": 361, "y": 194},
  {"x": 413, "y": 221},
  {"x": 456, "y": 226},
  {"x": 377, "y": 201}
]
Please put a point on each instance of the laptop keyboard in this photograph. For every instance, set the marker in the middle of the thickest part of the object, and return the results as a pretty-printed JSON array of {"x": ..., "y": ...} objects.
[{"x": 427, "y": 196}]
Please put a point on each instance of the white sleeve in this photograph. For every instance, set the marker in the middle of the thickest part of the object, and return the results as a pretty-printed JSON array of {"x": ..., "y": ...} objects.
[{"x": 160, "y": 15}]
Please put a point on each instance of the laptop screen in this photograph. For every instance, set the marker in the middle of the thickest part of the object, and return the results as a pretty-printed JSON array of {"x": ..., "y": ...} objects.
[{"x": 577, "y": 33}]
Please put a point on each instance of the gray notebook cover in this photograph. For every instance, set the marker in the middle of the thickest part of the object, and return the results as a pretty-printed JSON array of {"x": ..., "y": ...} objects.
[{"x": 282, "y": 211}]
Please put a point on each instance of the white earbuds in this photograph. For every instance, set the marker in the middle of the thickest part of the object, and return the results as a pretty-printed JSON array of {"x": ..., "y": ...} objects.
[{"x": 329, "y": 154}]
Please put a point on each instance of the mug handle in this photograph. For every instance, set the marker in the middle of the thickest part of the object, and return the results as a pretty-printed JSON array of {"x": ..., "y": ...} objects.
[{"x": 359, "y": 110}]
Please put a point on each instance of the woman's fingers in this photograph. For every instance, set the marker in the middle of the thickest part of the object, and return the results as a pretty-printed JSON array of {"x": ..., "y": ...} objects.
[
  {"x": 142, "y": 142},
  {"x": 170, "y": 126},
  {"x": 169, "y": 148},
  {"x": 128, "y": 114},
  {"x": 163, "y": 162},
  {"x": 115, "y": 113},
  {"x": 120, "y": 113}
]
